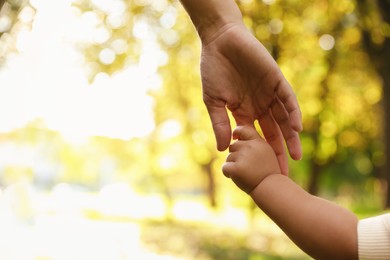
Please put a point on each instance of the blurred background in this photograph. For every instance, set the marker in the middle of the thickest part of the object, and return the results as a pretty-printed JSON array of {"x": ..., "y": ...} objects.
[{"x": 106, "y": 148}]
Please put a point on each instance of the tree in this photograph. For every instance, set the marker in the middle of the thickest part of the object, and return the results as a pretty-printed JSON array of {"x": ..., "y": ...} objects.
[
  {"x": 375, "y": 21},
  {"x": 318, "y": 47},
  {"x": 9, "y": 12}
]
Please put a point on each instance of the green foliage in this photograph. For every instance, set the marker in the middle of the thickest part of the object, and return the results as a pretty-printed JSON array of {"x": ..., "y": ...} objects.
[
  {"x": 16, "y": 15},
  {"x": 195, "y": 241},
  {"x": 318, "y": 46}
]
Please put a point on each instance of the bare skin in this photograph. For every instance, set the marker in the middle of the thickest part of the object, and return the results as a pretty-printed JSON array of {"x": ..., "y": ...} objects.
[
  {"x": 238, "y": 74},
  {"x": 322, "y": 229}
]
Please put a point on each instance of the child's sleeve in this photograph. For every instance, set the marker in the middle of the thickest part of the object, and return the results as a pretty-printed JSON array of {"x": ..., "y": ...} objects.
[{"x": 374, "y": 238}]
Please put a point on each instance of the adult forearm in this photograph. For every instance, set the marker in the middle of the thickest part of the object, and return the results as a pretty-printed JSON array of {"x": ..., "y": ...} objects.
[
  {"x": 211, "y": 16},
  {"x": 321, "y": 228}
]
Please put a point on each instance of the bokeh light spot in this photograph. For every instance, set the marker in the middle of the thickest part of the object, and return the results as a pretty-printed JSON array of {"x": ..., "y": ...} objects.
[
  {"x": 107, "y": 56},
  {"x": 327, "y": 42},
  {"x": 275, "y": 26}
]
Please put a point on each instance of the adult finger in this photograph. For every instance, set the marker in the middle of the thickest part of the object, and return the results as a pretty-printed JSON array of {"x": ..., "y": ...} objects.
[
  {"x": 221, "y": 126},
  {"x": 274, "y": 138},
  {"x": 245, "y": 132},
  {"x": 286, "y": 95},
  {"x": 290, "y": 135}
]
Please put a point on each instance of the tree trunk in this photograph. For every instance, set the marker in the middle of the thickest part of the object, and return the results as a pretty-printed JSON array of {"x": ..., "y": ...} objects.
[
  {"x": 385, "y": 73},
  {"x": 315, "y": 168},
  {"x": 380, "y": 57},
  {"x": 314, "y": 180},
  {"x": 384, "y": 70},
  {"x": 211, "y": 191}
]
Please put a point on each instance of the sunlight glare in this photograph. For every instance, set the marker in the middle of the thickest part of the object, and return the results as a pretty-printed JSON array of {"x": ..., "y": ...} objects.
[
  {"x": 190, "y": 211},
  {"x": 168, "y": 19},
  {"x": 159, "y": 5},
  {"x": 117, "y": 7},
  {"x": 119, "y": 46},
  {"x": 141, "y": 30},
  {"x": 101, "y": 35},
  {"x": 116, "y": 21},
  {"x": 5, "y": 23},
  {"x": 169, "y": 129},
  {"x": 54, "y": 86},
  {"x": 167, "y": 162},
  {"x": 23, "y": 40},
  {"x": 107, "y": 56}
]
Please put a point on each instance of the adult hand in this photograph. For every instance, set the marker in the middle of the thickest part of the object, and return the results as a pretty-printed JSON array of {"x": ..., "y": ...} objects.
[{"x": 239, "y": 74}]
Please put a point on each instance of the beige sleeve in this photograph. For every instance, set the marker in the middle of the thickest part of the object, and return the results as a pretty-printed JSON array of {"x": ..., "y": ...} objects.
[{"x": 374, "y": 238}]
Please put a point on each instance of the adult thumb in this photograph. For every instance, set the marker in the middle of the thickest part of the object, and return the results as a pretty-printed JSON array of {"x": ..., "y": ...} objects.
[{"x": 221, "y": 126}]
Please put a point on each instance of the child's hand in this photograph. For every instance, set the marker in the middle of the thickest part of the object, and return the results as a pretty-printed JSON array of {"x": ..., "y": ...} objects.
[{"x": 250, "y": 160}]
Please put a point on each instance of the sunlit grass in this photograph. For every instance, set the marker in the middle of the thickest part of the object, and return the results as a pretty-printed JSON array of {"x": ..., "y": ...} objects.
[{"x": 68, "y": 223}]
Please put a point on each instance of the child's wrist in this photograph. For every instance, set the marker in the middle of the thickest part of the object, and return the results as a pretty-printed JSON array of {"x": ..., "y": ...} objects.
[{"x": 267, "y": 180}]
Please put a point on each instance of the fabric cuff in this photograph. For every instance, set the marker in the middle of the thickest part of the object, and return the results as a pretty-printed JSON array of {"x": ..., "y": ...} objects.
[{"x": 374, "y": 238}]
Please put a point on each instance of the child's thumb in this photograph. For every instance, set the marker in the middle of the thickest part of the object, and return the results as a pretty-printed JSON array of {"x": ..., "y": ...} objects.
[{"x": 245, "y": 132}]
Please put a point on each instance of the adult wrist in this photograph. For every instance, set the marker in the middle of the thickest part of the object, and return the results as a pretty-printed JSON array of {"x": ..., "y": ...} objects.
[
  {"x": 212, "y": 17},
  {"x": 212, "y": 28}
]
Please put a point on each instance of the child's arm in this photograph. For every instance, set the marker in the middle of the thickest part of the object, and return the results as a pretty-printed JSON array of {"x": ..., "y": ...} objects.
[{"x": 322, "y": 229}]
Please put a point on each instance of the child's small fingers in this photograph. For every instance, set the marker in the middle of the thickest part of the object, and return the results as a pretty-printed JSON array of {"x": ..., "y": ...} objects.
[
  {"x": 245, "y": 132},
  {"x": 229, "y": 166},
  {"x": 231, "y": 157},
  {"x": 234, "y": 147},
  {"x": 228, "y": 169}
]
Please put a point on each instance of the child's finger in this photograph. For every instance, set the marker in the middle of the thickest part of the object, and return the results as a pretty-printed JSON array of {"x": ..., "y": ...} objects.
[
  {"x": 230, "y": 164},
  {"x": 234, "y": 147},
  {"x": 228, "y": 168},
  {"x": 232, "y": 157},
  {"x": 245, "y": 132}
]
